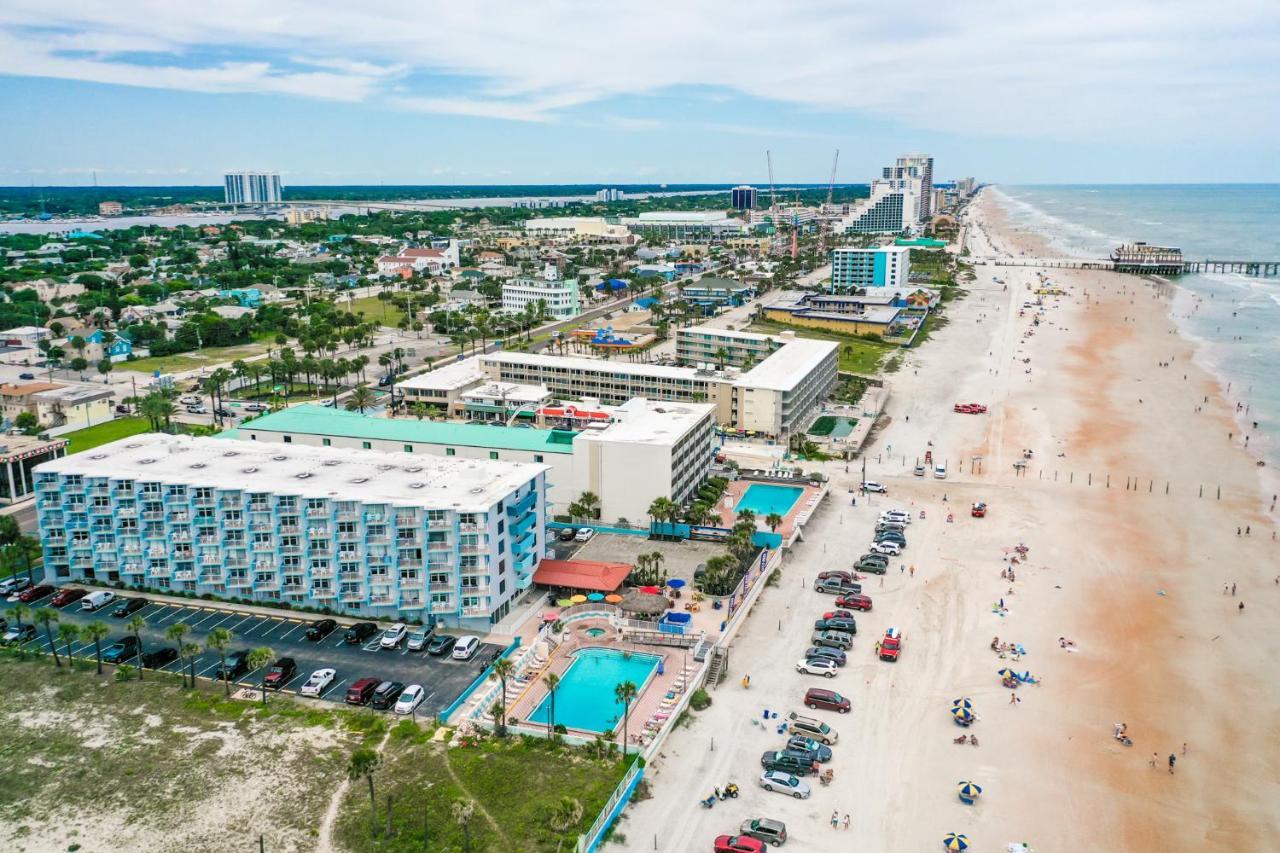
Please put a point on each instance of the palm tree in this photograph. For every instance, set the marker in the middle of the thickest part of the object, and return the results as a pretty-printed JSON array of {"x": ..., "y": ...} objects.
[
  {"x": 462, "y": 813},
  {"x": 655, "y": 560},
  {"x": 590, "y": 503},
  {"x": 68, "y": 634},
  {"x": 19, "y": 612},
  {"x": 624, "y": 693},
  {"x": 502, "y": 670},
  {"x": 159, "y": 409},
  {"x": 46, "y": 616},
  {"x": 189, "y": 652},
  {"x": 721, "y": 355},
  {"x": 552, "y": 681},
  {"x": 746, "y": 515},
  {"x": 96, "y": 631},
  {"x": 176, "y": 632},
  {"x": 219, "y": 639},
  {"x": 135, "y": 626},
  {"x": 361, "y": 398},
  {"x": 258, "y": 658},
  {"x": 773, "y": 521},
  {"x": 363, "y": 764},
  {"x": 418, "y": 409}
]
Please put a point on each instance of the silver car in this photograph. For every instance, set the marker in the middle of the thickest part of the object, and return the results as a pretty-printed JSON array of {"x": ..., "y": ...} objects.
[
  {"x": 784, "y": 783},
  {"x": 418, "y": 639}
]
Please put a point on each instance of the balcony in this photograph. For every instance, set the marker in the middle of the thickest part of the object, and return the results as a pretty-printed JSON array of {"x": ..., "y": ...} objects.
[
  {"x": 239, "y": 581},
  {"x": 317, "y": 512},
  {"x": 409, "y": 564},
  {"x": 262, "y": 527},
  {"x": 353, "y": 596},
  {"x": 348, "y": 516},
  {"x": 522, "y": 526},
  {"x": 475, "y": 549},
  {"x": 439, "y": 524},
  {"x": 447, "y": 586},
  {"x": 186, "y": 575},
  {"x": 210, "y": 559},
  {"x": 322, "y": 573},
  {"x": 152, "y": 515},
  {"x": 471, "y": 528},
  {"x": 127, "y": 512},
  {"x": 382, "y": 600},
  {"x": 523, "y": 505},
  {"x": 212, "y": 578},
  {"x": 323, "y": 594},
  {"x": 475, "y": 611}
]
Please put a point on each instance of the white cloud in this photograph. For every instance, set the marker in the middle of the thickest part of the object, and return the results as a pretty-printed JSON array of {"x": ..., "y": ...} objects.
[{"x": 1106, "y": 69}]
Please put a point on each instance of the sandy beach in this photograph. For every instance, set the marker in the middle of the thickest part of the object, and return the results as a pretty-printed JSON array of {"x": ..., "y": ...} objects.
[{"x": 1129, "y": 506}]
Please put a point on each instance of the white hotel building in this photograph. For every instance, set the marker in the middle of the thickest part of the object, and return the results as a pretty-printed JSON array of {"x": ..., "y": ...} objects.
[
  {"x": 559, "y": 296},
  {"x": 448, "y": 540}
]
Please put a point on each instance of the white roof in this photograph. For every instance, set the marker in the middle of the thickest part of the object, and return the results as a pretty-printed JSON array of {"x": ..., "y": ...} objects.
[
  {"x": 641, "y": 421},
  {"x": 725, "y": 333},
  {"x": 706, "y": 217},
  {"x": 509, "y": 392},
  {"x": 562, "y": 222},
  {"x": 590, "y": 365},
  {"x": 787, "y": 367},
  {"x": 368, "y": 476},
  {"x": 451, "y": 377}
]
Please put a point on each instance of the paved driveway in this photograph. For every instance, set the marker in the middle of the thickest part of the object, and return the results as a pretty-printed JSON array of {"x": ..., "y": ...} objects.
[{"x": 443, "y": 678}]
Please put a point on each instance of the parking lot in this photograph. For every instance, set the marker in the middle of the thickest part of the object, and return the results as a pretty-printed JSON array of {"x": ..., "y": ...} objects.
[{"x": 442, "y": 678}]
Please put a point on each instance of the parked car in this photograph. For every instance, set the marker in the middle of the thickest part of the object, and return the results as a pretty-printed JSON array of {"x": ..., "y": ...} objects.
[
  {"x": 67, "y": 595},
  {"x": 834, "y": 639},
  {"x": 854, "y": 602},
  {"x": 191, "y": 400},
  {"x": 765, "y": 829},
  {"x": 796, "y": 765},
  {"x": 895, "y": 536},
  {"x": 873, "y": 567},
  {"x": 237, "y": 664},
  {"x": 978, "y": 510},
  {"x": 33, "y": 593},
  {"x": 14, "y": 584},
  {"x": 896, "y": 515},
  {"x": 837, "y": 614},
  {"x": 837, "y": 574},
  {"x": 847, "y": 626},
  {"x": 799, "y": 724},
  {"x": 197, "y": 409},
  {"x": 157, "y": 658},
  {"x": 257, "y": 407},
  {"x": 124, "y": 649},
  {"x": 418, "y": 639},
  {"x": 870, "y": 486},
  {"x": 835, "y": 586},
  {"x": 16, "y": 635},
  {"x": 386, "y": 694},
  {"x": 818, "y": 666},
  {"x": 361, "y": 691},
  {"x": 97, "y": 600},
  {"x": 465, "y": 647},
  {"x": 320, "y": 629},
  {"x": 394, "y": 636},
  {"x": 567, "y": 534},
  {"x": 281, "y": 673},
  {"x": 888, "y": 546},
  {"x": 940, "y": 472},
  {"x": 584, "y": 534},
  {"x": 882, "y": 526},
  {"x": 27, "y": 376},
  {"x": 128, "y": 606},
  {"x": 919, "y": 471},
  {"x": 410, "y": 699},
  {"x": 891, "y": 645},
  {"x": 875, "y": 558},
  {"x": 737, "y": 844},
  {"x": 785, "y": 783},
  {"x": 224, "y": 413},
  {"x": 821, "y": 752},
  {"x": 316, "y": 684},
  {"x": 359, "y": 632},
  {"x": 441, "y": 644},
  {"x": 827, "y": 700},
  {"x": 828, "y": 653}
]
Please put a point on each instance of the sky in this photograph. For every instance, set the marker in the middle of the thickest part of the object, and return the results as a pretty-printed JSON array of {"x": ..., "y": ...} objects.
[{"x": 580, "y": 91}]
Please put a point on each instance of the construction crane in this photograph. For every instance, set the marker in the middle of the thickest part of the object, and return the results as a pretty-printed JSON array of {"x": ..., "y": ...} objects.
[
  {"x": 831, "y": 187},
  {"x": 773, "y": 200}
]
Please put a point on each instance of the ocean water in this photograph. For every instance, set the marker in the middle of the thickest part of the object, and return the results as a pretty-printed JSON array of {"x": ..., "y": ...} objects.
[{"x": 1234, "y": 319}]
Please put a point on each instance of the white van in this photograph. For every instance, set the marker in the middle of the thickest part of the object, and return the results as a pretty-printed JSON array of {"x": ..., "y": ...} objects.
[
  {"x": 97, "y": 600},
  {"x": 465, "y": 647},
  {"x": 940, "y": 472}
]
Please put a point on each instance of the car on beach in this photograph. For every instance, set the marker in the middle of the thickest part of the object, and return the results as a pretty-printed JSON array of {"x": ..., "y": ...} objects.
[
  {"x": 827, "y": 700},
  {"x": 882, "y": 526},
  {"x": 821, "y": 752},
  {"x": 837, "y": 614},
  {"x": 854, "y": 602},
  {"x": 317, "y": 682},
  {"x": 848, "y": 626},
  {"x": 844, "y": 576},
  {"x": 826, "y": 653},
  {"x": 835, "y": 586},
  {"x": 787, "y": 762},
  {"x": 940, "y": 472},
  {"x": 66, "y": 596},
  {"x": 737, "y": 844},
  {"x": 978, "y": 510},
  {"x": 896, "y": 515},
  {"x": 889, "y": 547},
  {"x": 890, "y": 645},
  {"x": 872, "y": 567},
  {"x": 874, "y": 558},
  {"x": 784, "y": 783},
  {"x": 798, "y": 724},
  {"x": 919, "y": 471},
  {"x": 870, "y": 486},
  {"x": 818, "y": 666},
  {"x": 765, "y": 829},
  {"x": 832, "y": 639},
  {"x": 895, "y": 536}
]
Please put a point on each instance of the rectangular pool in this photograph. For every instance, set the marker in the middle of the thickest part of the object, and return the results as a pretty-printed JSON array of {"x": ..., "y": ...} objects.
[
  {"x": 764, "y": 498},
  {"x": 585, "y": 700}
]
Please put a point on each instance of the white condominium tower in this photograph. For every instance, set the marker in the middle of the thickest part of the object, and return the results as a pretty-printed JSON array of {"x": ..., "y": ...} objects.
[
  {"x": 918, "y": 166},
  {"x": 252, "y": 188}
]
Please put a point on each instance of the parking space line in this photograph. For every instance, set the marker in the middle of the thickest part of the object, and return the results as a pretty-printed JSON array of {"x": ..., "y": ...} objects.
[
  {"x": 225, "y": 617},
  {"x": 374, "y": 646},
  {"x": 190, "y": 614},
  {"x": 297, "y": 627},
  {"x": 335, "y": 686},
  {"x": 295, "y": 679},
  {"x": 212, "y": 614},
  {"x": 341, "y": 640},
  {"x": 209, "y": 668},
  {"x": 232, "y": 628},
  {"x": 150, "y": 604}
]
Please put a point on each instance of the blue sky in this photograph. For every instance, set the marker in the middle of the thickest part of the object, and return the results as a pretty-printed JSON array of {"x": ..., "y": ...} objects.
[{"x": 584, "y": 92}]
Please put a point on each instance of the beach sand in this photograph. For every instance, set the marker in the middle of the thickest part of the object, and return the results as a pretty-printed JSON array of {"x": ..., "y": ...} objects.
[{"x": 1133, "y": 573}]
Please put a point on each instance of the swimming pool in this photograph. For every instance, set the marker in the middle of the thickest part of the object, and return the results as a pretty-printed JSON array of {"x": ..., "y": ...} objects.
[
  {"x": 584, "y": 699},
  {"x": 764, "y": 498}
]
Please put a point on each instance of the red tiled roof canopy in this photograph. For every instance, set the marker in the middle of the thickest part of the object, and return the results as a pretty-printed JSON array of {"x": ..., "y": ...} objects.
[{"x": 581, "y": 574}]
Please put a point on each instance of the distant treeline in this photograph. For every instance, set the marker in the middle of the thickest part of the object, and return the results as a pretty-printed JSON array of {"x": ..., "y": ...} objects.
[{"x": 82, "y": 201}]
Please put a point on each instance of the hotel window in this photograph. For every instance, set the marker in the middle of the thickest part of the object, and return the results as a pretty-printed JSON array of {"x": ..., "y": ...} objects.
[
  {"x": 326, "y": 442},
  {"x": 366, "y": 445},
  {"x": 493, "y": 454},
  {"x": 449, "y": 451},
  {"x": 537, "y": 457},
  {"x": 408, "y": 448},
  {"x": 288, "y": 439}
]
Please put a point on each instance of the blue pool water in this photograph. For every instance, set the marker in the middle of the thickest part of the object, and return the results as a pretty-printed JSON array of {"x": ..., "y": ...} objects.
[
  {"x": 764, "y": 498},
  {"x": 584, "y": 699}
]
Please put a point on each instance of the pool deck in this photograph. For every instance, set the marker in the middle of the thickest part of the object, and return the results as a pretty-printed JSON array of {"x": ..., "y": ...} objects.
[{"x": 802, "y": 508}]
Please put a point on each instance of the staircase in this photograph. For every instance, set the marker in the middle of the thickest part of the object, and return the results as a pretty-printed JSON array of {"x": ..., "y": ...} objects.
[{"x": 716, "y": 672}]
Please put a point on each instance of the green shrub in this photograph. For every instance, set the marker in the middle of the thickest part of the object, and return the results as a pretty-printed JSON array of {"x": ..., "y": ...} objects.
[{"x": 700, "y": 700}]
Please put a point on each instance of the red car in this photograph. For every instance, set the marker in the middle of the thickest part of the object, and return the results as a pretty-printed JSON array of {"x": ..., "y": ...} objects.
[
  {"x": 962, "y": 408},
  {"x": 837, "y": 614},
  {"x": 63, "y": 597},
  {"x": 738, "y": 844},
  {"x": 35, "y": 593},
  {"x": 280, "y": 674},
  {"x": 979, "y": 510},
  {"x": 836, "y": 573},
  {"x": 854, "y": 602},
  {"x": 818, "y": 697},
  {"x": 360, "y": 692},
  {"x": 891, "y": 645}
]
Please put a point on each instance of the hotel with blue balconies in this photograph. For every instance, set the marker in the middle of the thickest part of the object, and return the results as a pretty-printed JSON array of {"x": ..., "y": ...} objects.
[{"x": 451, "y": 541}]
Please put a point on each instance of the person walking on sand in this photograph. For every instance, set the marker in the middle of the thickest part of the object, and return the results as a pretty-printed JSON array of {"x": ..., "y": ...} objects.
[
  {"x": 1155, "y": 759},
  {"x": 1172, "y": 760},
  {"x": 912, "y": 570},
  {"x": 1240, "y": 609},
  {"x": 845, "y": 821},
  {"x": 1233, "y": 590},
  {"x": 1225, "y": 589},
  {"x": 835, "y": 819}
]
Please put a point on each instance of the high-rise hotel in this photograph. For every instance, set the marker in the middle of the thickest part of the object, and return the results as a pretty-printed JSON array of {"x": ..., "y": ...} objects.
[{"x": 252, "y": 188}]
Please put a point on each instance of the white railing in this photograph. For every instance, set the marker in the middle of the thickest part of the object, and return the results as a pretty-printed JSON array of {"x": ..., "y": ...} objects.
[{"x": 588, "y": 840}]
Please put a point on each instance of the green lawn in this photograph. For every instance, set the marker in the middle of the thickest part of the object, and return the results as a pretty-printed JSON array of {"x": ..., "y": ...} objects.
[
  {"x": 207, "y": 357},
  {"x": 857, "y": 355},
  {"x": 373, "y": 309},
  {"x": 89, "y": 438}
]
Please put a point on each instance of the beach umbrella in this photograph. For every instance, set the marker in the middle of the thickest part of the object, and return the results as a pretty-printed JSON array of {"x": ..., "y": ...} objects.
[
  {"x": 550, "y": 617},
  {"x": 961, "y": 703},
  {"x": 675, "y": 583},
  {"x": 1007, "y": 673},
  {"x": 578, "y": 599},
  {"x": 564, "y": 602},
  {"x": 970, "y": 790},
  {"x": 962, "y": 716},
  {"x": 651, "y": 590},
  {"x": 952, "y": 841},
  {"x": 596, "y": 596},
  {"x": 612, "y": 599}
]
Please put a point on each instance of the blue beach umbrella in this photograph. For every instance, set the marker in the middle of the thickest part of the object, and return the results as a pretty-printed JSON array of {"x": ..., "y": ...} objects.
[
  {"x": 952, "y": 841},
  {"x": 675, "y": 583},
  {"x": 969, "y": 790},
  {"x": 963, "y": 716},
  {"x": 962, "y": 703},
  {"x": 596, "y": 596}
]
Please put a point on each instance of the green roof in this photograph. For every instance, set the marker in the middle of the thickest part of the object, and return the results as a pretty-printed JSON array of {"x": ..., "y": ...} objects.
[{"x": 310, "y": 419}]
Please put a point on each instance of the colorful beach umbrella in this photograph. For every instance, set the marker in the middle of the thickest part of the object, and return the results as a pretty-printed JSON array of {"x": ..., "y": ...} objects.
[
  {"x": 675, "y": 583},
  {"x": 579, "y": 599},
  {"x": 612, "y": 599},
  {"x": 651, "y": 590},
  {"x": 961, "y": 703},
  {"x": 564, "y": 602},
  {"x": 596, "y": 596},
  {"x": 963, "y": 716},
  {"x": 953, "y": 841},
  {"x": 550, "y": 617},
  {"x": 969, "y": 790},
  {"x": 1007, "y": 673}
]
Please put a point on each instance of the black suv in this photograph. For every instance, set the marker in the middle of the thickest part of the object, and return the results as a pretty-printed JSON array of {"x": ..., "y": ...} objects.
[
  {"x": 360, "y": 632},
  {"x": 787, "y": 762},
  {"x": 321, "y": 629},
  {"x": 386, "y": 694},
  {"x": 157, "y": 658},
  {"x": 128, "y": 606},
  {"x": 846, "y": 625},
  {"x": 237, "y": 665}
]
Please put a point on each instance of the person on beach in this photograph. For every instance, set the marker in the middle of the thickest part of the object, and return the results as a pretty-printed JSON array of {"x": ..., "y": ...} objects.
[
  {"x": 1240, "y": 609},
  {"x": 835, "y": 819},
  {"x": 1233, "y": 590},
  {"x": 1155, "y": 759},
  {"x": 845, "y": 821},
  {"x": 1172, "y": 760}
]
